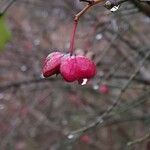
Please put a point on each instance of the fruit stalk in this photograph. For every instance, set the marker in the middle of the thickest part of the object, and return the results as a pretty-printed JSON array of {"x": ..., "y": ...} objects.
[{"x": 72, "y": 41}]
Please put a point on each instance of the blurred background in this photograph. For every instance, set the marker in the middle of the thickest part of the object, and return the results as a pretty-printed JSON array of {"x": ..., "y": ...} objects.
[{"x": 40, "y": 114}]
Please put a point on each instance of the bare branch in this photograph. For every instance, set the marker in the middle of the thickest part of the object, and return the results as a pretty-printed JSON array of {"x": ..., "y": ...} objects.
[{"x": 147, "y": 136}]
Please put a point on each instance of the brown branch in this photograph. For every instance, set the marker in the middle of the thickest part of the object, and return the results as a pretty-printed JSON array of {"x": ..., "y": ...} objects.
[{"x": 86, "y": 8}]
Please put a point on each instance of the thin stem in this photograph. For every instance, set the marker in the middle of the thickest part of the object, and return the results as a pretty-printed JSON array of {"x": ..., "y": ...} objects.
[
  {"x": 76, "y": 19},
  {"x": 72, "y": 41},
  {"x": 77, "y": 16}
]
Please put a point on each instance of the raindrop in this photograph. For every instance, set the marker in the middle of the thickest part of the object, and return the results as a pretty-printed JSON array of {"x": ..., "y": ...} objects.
[
  {"x": 84, "y": 81},
  {"x": 115, "y": 8},
  {"x": 70, "y": 136},
  {"x": 95, "y": 87},
  {"x": 42, "y": 77},
  {"x": 99, "y": 36},
  {"x": 23, "y": 68},
  {"x": 36, "y": 42}
]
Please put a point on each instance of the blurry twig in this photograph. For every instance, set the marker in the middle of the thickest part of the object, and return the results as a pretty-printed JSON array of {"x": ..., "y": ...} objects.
[
  {"x": 105, "y": 51},
  {"x": 38, "y": 80},
  {"x": 26, "y": 82},
  {"x": 6, "y": 7},
  {"x": 139, "y": 140},
  {"x": 128, "y": 119}
]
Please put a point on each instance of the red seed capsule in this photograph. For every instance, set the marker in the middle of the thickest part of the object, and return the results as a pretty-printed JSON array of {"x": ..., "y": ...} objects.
[
  {"x": 68, "y": 68},
  {"x": 86, "y": 68},
  {"x": 52, "y": 64},
  {"x": 78, "y": 68}
]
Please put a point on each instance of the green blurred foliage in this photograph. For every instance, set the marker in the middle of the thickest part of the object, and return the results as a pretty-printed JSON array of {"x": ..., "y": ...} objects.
[{"x": 5, "y": 34}]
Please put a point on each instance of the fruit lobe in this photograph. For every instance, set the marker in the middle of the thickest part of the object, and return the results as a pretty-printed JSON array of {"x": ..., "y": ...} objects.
[
  {"x": 77, "y": 68},
  {"x": 68, "y": 69},
  {"x": 86, "y": 68},
  {"x": 52, "y": 64}
]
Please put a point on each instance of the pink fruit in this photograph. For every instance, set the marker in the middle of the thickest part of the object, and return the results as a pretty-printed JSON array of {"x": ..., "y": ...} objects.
[
  {"x": 86, "y": 68},
  {"x": 52, "y": 64},
  {"x": 74, "y": 68},
  {"x": 104, "y": 89},
  {"x": 68, "y": 68}
]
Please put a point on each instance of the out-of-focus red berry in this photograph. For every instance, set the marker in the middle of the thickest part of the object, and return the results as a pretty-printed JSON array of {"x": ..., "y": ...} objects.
[
  {"x": 85, "y": 139},
  {"x": 104, "y": 89}
]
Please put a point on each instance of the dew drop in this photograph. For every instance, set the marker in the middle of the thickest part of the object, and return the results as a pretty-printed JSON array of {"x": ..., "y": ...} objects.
[
  {"x": 115, "y": 8},
  {"x": 99, "y": 36},
  {"x": 36, "y": 42},
  {"x": 23, "y": 68},
  {"x": 84, "y": 82},
  {"x": 95, "y": 87},
  {"x": 42, "y": 76},
  {"x": 70, "y": 136}
]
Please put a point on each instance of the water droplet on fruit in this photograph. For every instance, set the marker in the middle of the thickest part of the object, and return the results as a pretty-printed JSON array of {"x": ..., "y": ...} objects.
[
  {"x": 115, "y": 8},
  {"x": 70, "y": 136},
  {"x": 84, "y": 81}
]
